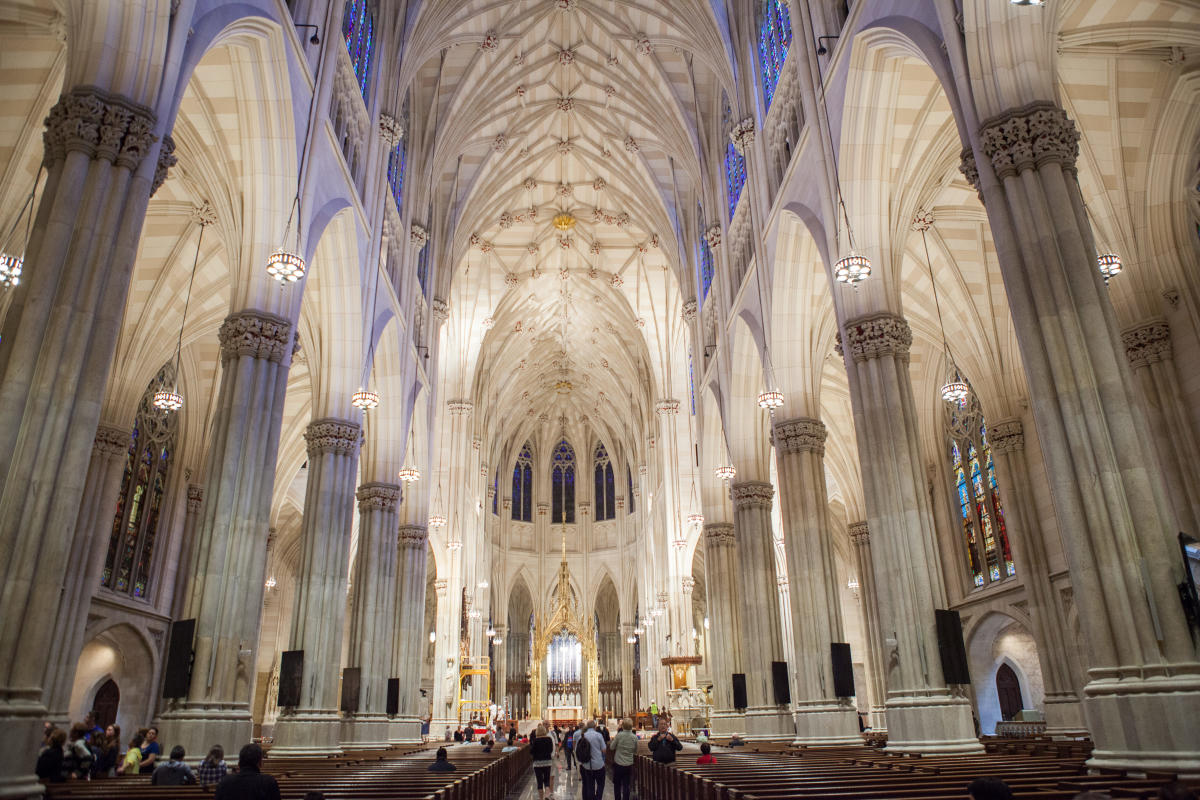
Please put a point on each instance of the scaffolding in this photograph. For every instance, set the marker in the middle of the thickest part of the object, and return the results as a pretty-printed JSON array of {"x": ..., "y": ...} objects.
[{"x": 470, "y": 666}]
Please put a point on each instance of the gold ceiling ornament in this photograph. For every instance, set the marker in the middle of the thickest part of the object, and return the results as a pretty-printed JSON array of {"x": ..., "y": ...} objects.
[
  {"x": 564, "y": 221},
  {"x": 563, "y": 387}
]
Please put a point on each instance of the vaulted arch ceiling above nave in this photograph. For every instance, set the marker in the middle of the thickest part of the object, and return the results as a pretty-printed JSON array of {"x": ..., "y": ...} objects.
[{"x": 546, "y": 107}]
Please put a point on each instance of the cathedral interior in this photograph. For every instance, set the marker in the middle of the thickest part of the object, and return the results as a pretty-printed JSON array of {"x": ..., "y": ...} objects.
[{"x": 798, "y": 367}]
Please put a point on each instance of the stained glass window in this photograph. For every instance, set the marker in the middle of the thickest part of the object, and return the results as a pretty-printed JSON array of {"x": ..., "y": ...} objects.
[
  {"x": 358, "y": 28},
  {"x": 977, "y": 494},
  {"x": 606, "y": 495},
  {"x": 496, "y": 493},
  {"x": 629, "y": 481},
  {"x": 691, "y": 382},
  {"x": 522, "y": 489},
  {"x": 130, "y": 558},
  {"x": 705, "y": 258},
  {"x": 395, "y": 172},
  {"x": 562, "y": 484},
  {"x": 735, "y": 164},
  {"x": 774, "y": 36}
]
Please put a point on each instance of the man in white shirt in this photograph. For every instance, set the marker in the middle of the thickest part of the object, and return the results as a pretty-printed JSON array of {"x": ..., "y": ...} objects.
[{"x": 593, "y": 770}]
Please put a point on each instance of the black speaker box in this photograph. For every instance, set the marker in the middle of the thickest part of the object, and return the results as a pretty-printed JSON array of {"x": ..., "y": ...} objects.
[
  {"x": 291, "y": 678},
  {"x": 178, "y": 669},
  {"x": 739, "y": 690},
  {"x": 781, "y": 682},
  {"x": 950, "y": 646},
  {"x": 843, "y": 669},
  {"x": 393, "y": 697},
  {"x": 351, "y": 689}
]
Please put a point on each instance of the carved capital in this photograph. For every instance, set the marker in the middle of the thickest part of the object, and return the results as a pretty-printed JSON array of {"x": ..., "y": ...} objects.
[
  {"x": 543, "y": 509},
  {"x": 111, "y": 441},
  {"x": 665, "y": 407},
  {"x": 166, "y": 160},
  {"x": 690, "y": 310},
  {"x": 101, "y": 125},
  {"x": 413, "y": 536},
  {"x": 803, "y": 435},
  {"x": 585, "y": 508},
  {"x": 391, "y": 130},
  {"x": 441, "y": 309},
  {"x": 418, "y": 236},
  {"x": 969, "y": 168},
  {"x": 859, "y": 533},
  {"x": 507, "y": 503},
  {"x": 1027, "y": 137},
  {"x": 877, "y": 335},
  {"x": 752, "y": 494},
  {"x": 376, "y": 496},
  {"x": 1006, "y": 436},
  {"x": 687, "y": 583},
  {"x": 742, "y": 135},
  {"x": 440, "y": 586},
  {"x": 332, "y": 436},
  {"x": 460, "y": 408},
  {"x": 713, "y": 236},
  {"x": 720, "y": 534},
  {"x": 1147, "y": 343},
  {"x": 195, "y": 496},
  {"x": 255, "y": 334}
]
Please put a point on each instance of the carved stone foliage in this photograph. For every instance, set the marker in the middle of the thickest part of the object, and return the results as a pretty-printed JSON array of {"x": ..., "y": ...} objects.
[
  {"x": 413, "y": 536},
  {"x": 111, "y": 441},
  {"x": 1028, "y": 137},
  {"x": 1006, "y": 436},
  {"x": 377, "y": 497},
  {"x": 1147, "y": 343},
  {"x": 418, "y": 236},
  {"x": 335, "y": 436},
  {"x": 803, "y": 435},
  {"x": 166, "y": 160},
  {"x": 720, "y": 534},
  {"x": 860, "y": 534},
  {"x": 390, "y": 129},
  {"x": 969, "y": 168},
  {"x": 441, "y": 309},
  {"x": 877, "y": 335},
  {"x": 195, "y": 496},
  {"x": 752, "y": 494},
  {"x": 102, "y": 125},
  {"x": 459, "y": 407},
  {"x": 255, "y": 334}
]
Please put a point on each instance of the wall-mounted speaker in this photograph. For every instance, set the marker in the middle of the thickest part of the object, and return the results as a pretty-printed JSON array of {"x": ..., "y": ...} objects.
[
  {"x": 178, "y": 670},
  {"x": 950, "y": 646},
  {"x": 739, "y": 690},
  {"x": 843, "y": 669},
  {"x": 393, "y": 697},
  {"x": 291, "y": 678},
  {"x": 781, "y": 682},
  {"x": 351, "y": 688}
]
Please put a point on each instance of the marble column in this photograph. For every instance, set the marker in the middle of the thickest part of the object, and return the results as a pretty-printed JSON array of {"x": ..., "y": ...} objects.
[
  {"x": 187, "y": 548},
  {"x": 628, "y": 702},
  {"x": 860, "y": 539},
  {"x": 446, "y": 655},
  {"x": 1148, "y": 348},
  {"x": 1064, "y": 714},
  {"x": 500, "y": 666},
  {"x": 721, "y": 570},
  {"x": 923, "y": 714},
  {"x": 821, "y": 717},
  {"x": 1108, "y": 490},
  {"x": 93, "y": 531},
  {"x": 312, "y": 728},
  {"x": 56, "y": 349},
  {"x": 226, "y": 590},
  {"x": 372, "y": 615},
  {"x": 412, "y": 542}
]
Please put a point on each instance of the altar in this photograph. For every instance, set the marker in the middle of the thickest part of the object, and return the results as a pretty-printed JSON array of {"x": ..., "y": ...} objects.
[{"x": 564, "y": 713}]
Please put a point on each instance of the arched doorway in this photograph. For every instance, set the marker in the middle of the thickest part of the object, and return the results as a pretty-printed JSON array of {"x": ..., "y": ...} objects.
[
  {"x": 1008, "y": 690},
  {"x": 108, "y": 697}
]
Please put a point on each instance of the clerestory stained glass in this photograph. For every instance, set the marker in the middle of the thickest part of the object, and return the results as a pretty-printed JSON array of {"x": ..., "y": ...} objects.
[{"x": 774, "y": 36}]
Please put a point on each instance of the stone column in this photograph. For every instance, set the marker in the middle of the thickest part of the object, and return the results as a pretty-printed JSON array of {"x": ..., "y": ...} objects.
[
  {"x": 821, "y": 717},
  {"x": 446, "y": 655},
  {"x": 924, "y": 715},
  {"x": 500, "y": 667},
  {"x": 721, "y": 568},
  {"x": 860, "y": 539},
  {"x": 413, "y": 544},
  {"x": 628, "y": 702},
  {"x": 1148, "y": 348},
  {"x": 372, "y": 617},
  {"x": 110, "y": 451},
  {"x": 1107, "y": 486},
  {"x": 1064, "y": 714},
  {"x": 312, "y": 728},
  {"x": 187, "y": 548},
  {"x": 56, "y": 350},
  {"x": 226, "y": 590}
]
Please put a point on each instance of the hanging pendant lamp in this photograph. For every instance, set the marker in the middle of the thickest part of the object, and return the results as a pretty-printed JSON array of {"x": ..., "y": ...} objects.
[
  {"x": 168, "y": 400},
  {"x": 955, "y": 389},
  {"x": 12, "y": 258},
  {"x": 409, "y": 473}
]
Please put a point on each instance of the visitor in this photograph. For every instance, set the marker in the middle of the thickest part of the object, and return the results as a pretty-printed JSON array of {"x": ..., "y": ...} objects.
[
  {"x": 736, "y": 741},
  {"x": 213, "y": 768},
  {"x": 624, "y": 746},
  {"x": 133, "y": 756},
  {"x": 248, "y": 783},
  {"x": 602, "y": 726},
  {"x": 108, "y": 752},
  {"x": 441, "y": 762},
  {"x": 174, "y": 772},
  {"x": 511, "y": 747},
  {"x": 568, "y": 748},
  {"x": 49, "y": 768},
  {"x": 706, "y": 756},
  {"x": 94, "y": 733},
  {"x": 989, "y": 789},
  {"x": 77, "y": 757},
  {"x": 1176, "y": 790},
  {"x": 702, "y": 736},
  {"x": 542, "y": 752},
  {"x": 151, "y": 750},
  {"x": 486, "y": 741},
  {"x": 654, "y": 713},
  {"x": 590, "y": 755},
  {"x": 458, "y": 734},
  {"x": 664, "y": 744}
]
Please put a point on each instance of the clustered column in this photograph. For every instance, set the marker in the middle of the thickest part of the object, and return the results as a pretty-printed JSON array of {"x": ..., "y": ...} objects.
[
  {"x": 722, "y": 567},
  {"x": 412, "y": 542},
  {"x": 821, "y": 717},
  {"x": 860, "y": 538},
  {"x": 372, "y": 614},
  {"x": 500, "y": 666}
]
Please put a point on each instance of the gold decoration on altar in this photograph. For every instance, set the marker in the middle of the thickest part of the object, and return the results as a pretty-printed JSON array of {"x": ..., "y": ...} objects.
[{"x": 679, "y": 669}]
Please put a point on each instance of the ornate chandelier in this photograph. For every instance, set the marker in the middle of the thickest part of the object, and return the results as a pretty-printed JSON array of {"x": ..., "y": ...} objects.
[
  {"x": 725, "y": 472},
  {"x": 10, "y": 262},
  {"x": 285, "y": 267},
  {"x": 696, "y": 519},
  {"x": 364, "y": 399},
  {"x": 409, "y": 474},
  {"x": 852, "y": 269},
  {"x": 955, "y": 389},
  {"x": 454, "y": 546},
  {"x": 1110, "y": 265},
  {"x": 168, "y": 400},
  {"x": 437, "y": 520},
  {"x": 10, "y": 270},
  {"x": 770, "y": 399}
]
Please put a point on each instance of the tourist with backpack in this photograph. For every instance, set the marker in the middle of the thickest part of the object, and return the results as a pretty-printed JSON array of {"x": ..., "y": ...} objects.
[{"x": 589, "y": 752}]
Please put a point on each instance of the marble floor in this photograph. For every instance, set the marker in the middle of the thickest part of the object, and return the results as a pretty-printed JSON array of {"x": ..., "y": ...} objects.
[{"x": 567, "y": 785}]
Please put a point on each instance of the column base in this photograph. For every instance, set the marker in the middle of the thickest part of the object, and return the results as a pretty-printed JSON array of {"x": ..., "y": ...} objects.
[
  {"x": 727, "y": 722},
  {"x": 365, "y": 732},
  {"x": 1064, "y": 716},
  {"x": 1142, "y": 725},
  {"x": 307, "y": 732},
  {"x": 198, "y": 729},
  {"x": 826, "y": 724},
  {"x": 407, "y": 730},
  {"x": 877, "y": 718},
  {"x": 769, "y": 724},
  {"x": 935, "y": 723},
  {"x": 22, "y": 725}
]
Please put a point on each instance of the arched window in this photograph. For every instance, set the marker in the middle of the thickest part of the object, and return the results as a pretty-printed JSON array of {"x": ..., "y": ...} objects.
[
  {"x": 135, "y": 526},
  {"x": 705, "y": 256},
  {"x": 522, "y": 490},
  {"x": 977, "y": 493},
  {"x": 735, "y": 164},
  {"x": 358, "y": 28},
  {"x": 629, "y": 481},
  {"x": 397, "y": 159},
  {"x": 774, "y": 36},
  {"x": 562, "y": 484},
  {"x": 496, "y": 493},
  {"x": 606, "y": 493}
]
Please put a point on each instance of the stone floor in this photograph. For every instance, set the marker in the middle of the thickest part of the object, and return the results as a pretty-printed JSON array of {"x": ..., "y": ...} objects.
[{"x": 567, "y": 785}]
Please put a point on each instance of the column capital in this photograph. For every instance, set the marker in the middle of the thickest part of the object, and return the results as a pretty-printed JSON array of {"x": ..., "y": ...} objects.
[
  {"x": 376, "y": 496},
  {"x": 687, "y": 583},
  {"x": 860, "y": 533},
  {"x": 543, "y": 509},
  {"x": 440, "y": 586},
  {"x": 441, "y": 309},
  {"x": 195, "y": 496},
  {"x": 102, "y": 125},
  {"x": 1025, "y": 138},
  {"x": 969, "y": 168},
  {"x": 584, "y": 507},
  {"x": 752, "y": 494},
  {"x": 720, "y": 534},
  {"x": 800, "y": 435},
  {"x": 335, "y": 436},
  {"x": 1147, "y": 343},
  {"x": 391, "y": 130},
  {"x": 412, "y": 536},
  {"x": 1007, "y": 436},
  {"x": 666, "y": 406},
  {"x": 500, "y": 628},
  {"x": 460, "y": 408},
  {"x": 876, "y": 335},
  {"x": 256, "y": 334},
  {"x": 111, "y": 440}
]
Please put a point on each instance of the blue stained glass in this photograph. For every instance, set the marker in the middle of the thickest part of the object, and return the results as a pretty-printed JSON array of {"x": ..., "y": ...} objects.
[
  {"x": 774, "y": 37},
  {"x": 706, "y": 258},
  {"x": 358, "y": 28},
  {"x": 691, "y": 382},
  {"x": 735, "y": 176},
  {"x": 395, "y": 172},
  {"x": 562, "y": 484},
  {"x": 522, "y": 493}
]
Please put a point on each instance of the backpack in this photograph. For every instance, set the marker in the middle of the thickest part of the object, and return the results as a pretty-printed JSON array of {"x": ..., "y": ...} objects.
[{"x": 583, "y": 750}]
